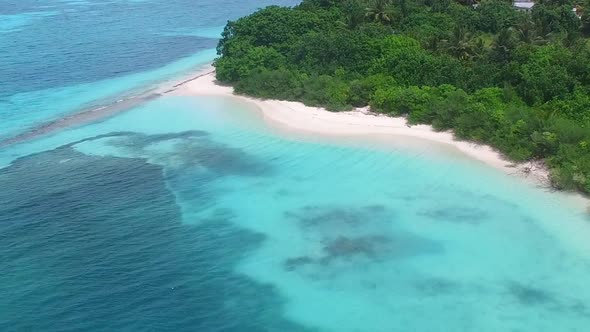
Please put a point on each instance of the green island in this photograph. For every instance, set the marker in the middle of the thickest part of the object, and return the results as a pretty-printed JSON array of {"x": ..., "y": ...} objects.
[{"x": 516, "y": 79}]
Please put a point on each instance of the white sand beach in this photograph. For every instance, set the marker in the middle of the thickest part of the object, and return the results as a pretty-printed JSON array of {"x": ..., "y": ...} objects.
[{"x": 359, "y": 122}]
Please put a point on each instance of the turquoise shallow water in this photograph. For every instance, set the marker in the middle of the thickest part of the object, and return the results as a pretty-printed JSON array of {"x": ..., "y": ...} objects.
[
  {"x": 305, "y": 233},
  {"x": 59, "y": 57},
  {"x": 194, "y": 214}
]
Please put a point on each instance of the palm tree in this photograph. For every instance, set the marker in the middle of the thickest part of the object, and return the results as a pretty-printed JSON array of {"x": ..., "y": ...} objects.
[
  {"x": 504, "y": 45},
  {"x": 462, "y": 45},
  {"x": 525, "y": 30},
  {"x": 379, "y": 11},
  {"x": 354, "y": 12}
]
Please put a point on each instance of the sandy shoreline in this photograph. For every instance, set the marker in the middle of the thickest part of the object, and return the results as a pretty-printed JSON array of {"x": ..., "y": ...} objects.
[{"x": 295, "y": 115}]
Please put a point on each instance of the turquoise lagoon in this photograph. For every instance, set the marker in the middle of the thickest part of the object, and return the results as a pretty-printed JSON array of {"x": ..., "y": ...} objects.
[
  {"x": 284, "y": 232},
  {"x": 194, "y": 214}
]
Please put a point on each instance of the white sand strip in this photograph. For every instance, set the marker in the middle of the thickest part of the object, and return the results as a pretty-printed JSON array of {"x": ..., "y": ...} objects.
[{"x": 295, "y": 115}]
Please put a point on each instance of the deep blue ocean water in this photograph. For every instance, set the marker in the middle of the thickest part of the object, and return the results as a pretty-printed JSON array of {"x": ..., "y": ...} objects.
[
  {"x": 59, "y": 56},
  {"x": 195, "y": 214}
]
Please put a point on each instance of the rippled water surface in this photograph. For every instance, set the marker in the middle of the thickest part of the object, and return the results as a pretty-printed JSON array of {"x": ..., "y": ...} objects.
[
  {"x": 59, "y": 56},
  {"x": 194, "y": 214}
]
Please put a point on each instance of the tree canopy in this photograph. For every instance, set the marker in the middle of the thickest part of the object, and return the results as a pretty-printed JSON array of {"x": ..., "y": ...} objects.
[{"x": 517, "y": 80}]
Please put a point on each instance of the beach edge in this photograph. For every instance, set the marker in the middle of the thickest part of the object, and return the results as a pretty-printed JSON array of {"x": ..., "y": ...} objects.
[{"x": 361, "y": 121}]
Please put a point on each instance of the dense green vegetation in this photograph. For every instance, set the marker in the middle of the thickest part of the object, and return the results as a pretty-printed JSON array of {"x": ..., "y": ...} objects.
[{"x": 516, "y": 80}]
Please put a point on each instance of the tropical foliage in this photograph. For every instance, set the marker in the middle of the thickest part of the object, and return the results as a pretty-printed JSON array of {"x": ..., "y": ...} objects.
[{"x": 517, "y": 80}]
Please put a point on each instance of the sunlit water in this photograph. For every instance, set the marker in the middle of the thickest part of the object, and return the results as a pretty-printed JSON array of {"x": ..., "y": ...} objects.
[
  {"x": 194, "y": 214},
  {"x": 57, "y": 57}
]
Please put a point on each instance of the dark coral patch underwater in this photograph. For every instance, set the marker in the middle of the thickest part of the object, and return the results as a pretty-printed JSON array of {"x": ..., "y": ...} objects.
[
  {"x": 97, "y": 243},
  {"x": 355, "y": 235}
]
